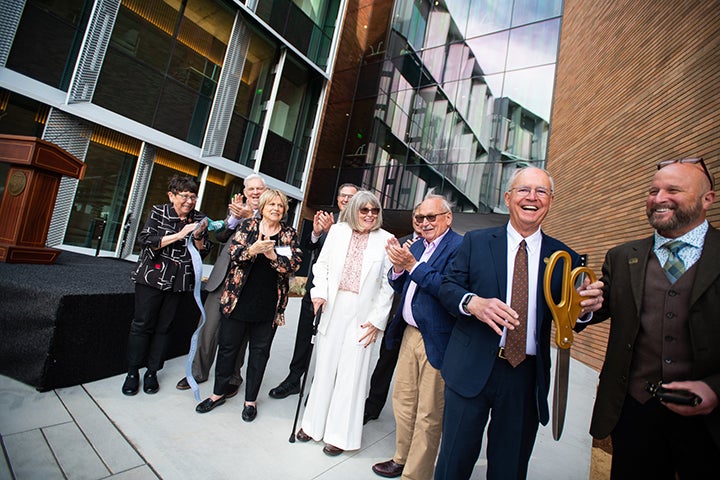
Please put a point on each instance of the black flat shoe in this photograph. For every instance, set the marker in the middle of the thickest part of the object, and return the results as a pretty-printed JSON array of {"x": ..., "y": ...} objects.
[
  {"x": 249, "y": 413},
  {"x": 150, "y": 382},
  {"x": 285, "y": 389},
  {"x": 206, "y": 405},
  {"x": 131, "y": 385},
  {"x": 369, "y": 416}
]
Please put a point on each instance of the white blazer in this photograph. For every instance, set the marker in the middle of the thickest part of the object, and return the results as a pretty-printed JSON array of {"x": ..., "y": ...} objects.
[{"x": 376, "y": 294}]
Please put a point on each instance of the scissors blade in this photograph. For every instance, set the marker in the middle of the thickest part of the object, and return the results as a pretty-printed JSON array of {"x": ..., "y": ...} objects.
[{"x": 560, "y": 391}]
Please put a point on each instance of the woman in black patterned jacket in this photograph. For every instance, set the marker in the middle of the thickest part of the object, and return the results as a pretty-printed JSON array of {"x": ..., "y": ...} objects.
[
  {"x": 263, "y": 255},
  {"x": 163, "y": 276}
]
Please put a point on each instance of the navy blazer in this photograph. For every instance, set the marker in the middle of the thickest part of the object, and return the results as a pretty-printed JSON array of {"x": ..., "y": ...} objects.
[
  {"x": 480, "y": 267},
  {"x": 433, "y": 320}
]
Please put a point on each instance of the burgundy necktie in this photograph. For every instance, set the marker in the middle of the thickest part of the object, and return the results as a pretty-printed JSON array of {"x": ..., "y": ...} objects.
[{"x": 516, "y": 339}]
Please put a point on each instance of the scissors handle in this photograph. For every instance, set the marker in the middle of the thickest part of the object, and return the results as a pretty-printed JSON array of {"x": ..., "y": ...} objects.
[{"x": 565, "y": 312}]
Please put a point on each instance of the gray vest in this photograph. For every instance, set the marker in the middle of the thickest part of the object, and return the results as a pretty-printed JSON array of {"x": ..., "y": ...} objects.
[{"x": 662, "y": 346}]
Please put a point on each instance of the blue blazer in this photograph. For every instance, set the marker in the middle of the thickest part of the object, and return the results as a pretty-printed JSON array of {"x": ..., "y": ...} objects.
[
  {"x": 480, "y": 267},
  {"x": 433, "y": 320}
]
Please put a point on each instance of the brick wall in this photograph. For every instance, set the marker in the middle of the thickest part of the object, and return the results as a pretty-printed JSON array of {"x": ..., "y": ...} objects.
[{"x": 637, "y": 82}]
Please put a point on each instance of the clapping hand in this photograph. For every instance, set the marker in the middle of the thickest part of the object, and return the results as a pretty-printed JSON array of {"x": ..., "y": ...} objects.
[
  {"x": 239, "y": 208},
  {"x": 400, "y": 256}
]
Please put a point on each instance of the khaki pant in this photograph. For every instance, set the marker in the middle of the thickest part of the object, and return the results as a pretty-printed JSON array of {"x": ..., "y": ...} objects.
[{"x": 418, "y": 404}]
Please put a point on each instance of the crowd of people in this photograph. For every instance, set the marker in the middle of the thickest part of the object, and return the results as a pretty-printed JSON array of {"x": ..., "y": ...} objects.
[{"x": 461, "y": 323}]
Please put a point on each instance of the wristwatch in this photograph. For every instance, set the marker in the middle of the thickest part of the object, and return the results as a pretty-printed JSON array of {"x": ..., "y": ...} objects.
[{"x": 466, "y": 302}]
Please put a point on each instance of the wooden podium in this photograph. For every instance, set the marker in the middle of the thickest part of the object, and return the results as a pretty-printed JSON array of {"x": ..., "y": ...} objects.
[{"x": 36, "y": 167}]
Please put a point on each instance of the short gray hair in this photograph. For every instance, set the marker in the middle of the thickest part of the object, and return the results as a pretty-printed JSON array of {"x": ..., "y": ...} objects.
[
  {"x": 253, "y": 176},
  {"x": 447, "y": 204},
  {"x": 352, "y": 211},
  {"x": 518, "y": 171}
]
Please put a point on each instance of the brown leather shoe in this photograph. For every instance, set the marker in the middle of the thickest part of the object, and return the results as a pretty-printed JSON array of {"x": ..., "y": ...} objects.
[
  {"x": 332, "y": 450},
  {"x": 302, "y": 436},
  {"x": 388, "y": 469}
]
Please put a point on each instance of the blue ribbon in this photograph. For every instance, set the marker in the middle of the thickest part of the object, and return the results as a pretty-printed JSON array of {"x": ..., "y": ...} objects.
[{"x": 197, "y": 269}]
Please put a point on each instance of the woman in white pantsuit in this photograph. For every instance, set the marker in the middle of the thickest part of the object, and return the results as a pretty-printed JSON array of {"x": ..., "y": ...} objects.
[{"x": 350, "y": 284}]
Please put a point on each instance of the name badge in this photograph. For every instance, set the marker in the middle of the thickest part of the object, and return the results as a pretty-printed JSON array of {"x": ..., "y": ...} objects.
[{"x": 284, "y": 250}]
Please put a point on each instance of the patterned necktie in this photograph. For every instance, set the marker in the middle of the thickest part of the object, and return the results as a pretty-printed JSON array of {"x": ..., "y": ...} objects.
[
  {"x": 515, "y": 340},
  {"x": 674, "y": 266}
]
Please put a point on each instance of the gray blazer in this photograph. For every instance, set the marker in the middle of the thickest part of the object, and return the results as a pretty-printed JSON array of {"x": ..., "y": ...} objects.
[{"x": 222, "y": 263}]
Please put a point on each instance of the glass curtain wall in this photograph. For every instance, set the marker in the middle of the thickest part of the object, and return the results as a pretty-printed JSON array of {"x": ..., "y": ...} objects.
[
  {"x": 288, "y": 141},
  {"x": 243, "y": 137},
  {"x": 101, "y": 196},
  {"x": 163, "y": 63},
  {"x": 48, "y": 40},
  {"x": 308, "y": 25},
  {"x": 461, "y": 98}
]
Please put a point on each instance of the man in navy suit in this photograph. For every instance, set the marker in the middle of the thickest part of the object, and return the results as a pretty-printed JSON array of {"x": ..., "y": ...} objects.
[
  {"x": 478, "y": 374},
  {"x": 421, "y": 327}
]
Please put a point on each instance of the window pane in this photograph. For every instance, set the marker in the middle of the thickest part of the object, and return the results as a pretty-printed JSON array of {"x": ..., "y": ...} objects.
[
  {"x": 490, "y": 51},
  {"x": 101, "y": 197},
  {"x": 532, "y": 89},
  {"x": 533, "y": 45},
  {"x": 166, "y": 59},
  {"x": 244, "y": 132},
  {"x": 487, "y": 16},
  {"x": 48, "y": 39},
  {"x": 527, "y": 11}
]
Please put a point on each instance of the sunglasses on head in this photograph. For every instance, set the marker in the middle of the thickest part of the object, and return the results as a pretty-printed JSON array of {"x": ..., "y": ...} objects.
[{"x": 697, "y": 160}]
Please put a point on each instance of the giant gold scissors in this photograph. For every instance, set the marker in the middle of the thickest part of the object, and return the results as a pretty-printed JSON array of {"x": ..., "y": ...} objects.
[{"x": 565, "y": 314}]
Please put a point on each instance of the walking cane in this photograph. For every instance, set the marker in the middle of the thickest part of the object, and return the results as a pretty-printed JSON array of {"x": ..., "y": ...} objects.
[{"x": 305, "y": 375}]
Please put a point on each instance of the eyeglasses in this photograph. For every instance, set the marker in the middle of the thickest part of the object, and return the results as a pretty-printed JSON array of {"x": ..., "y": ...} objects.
[
  {"x": 186, "y": 197},
  {"x": 430, "y": 218},
  {"x": 365, "y": 211},
  {"x": 345, "y": 195},
  {"x": 693, "y": 161},
  {"x": 524, "y": 191}
]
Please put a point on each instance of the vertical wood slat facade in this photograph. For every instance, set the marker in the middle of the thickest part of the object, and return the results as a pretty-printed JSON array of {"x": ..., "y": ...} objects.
[{"x": 637, "y": 82}]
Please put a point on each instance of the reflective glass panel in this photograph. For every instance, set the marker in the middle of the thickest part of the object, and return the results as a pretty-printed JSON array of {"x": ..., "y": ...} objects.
[
  {"x": 487, "y": 16},
  {"x": 490, "y": 51},
  {"x": 527, "y": 11},
  {"x": 532, "y": 88},
  {"x": 533, "y": 45}
]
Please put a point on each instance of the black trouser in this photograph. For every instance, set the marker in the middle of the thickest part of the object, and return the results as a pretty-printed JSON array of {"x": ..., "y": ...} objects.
[
  {"x": 232, "y": 332},
  {"x": 299, "y": 361},
  {"x": 381, "y": 378},
  {"x": 154, "y": 313},
  {"x": 650, "y": 441}
]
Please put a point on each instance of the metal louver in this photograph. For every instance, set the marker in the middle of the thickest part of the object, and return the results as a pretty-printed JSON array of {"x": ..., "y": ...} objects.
[
  {"x": 92, "y": 52},
  {"x": 228, "y": 85},
  {"x": 73, "y": 135}
]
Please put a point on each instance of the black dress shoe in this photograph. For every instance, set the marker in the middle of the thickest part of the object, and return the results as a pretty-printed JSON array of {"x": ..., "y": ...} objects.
[
  {"x": 285, "y": 389},
  {"x": 369, "y": 416},
  {"x": 150, "y": 382},
  {"x": 231, "y": 390},
  {"x": 249, "y": 413},
  {"x": 388, "y": 469},
  {"x": 183, "y": 384},
  {"x": 302, "y": 436},
  {"x": 208, "y": 404},
  {"x": 332, "y": 450},
  {"x": 131, "y": 384}
]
